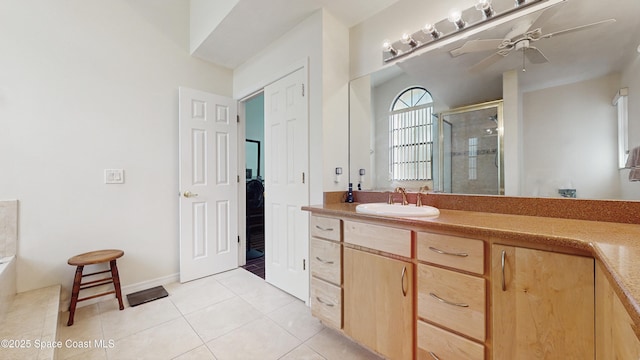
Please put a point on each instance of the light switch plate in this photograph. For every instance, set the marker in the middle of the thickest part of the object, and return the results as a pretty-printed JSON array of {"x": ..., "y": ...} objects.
[{"x": 113, "y": 176}]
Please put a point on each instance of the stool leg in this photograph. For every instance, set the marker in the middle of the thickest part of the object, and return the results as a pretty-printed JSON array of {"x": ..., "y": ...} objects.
[
  {"x": 116, "y": 282},
  {"x": 74, "y": 294}
]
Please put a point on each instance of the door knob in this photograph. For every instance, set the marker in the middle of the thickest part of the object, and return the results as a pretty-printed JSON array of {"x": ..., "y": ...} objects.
[{"x": 189, "y": 194}]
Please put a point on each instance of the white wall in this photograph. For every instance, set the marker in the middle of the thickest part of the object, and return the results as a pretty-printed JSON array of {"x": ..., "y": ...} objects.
[
  {"x": 512, "y": 129},
  {"x": 88, "y": 85},
  {"x": 335, "y": 102},
  {"x": 205, "y": 15},
  {"x": 362, "y": 134},
  {"x": 305, "y": 43},
  {"x": 403, "y": 16},
  {"x": 631, "y": 79},
  {"x": 570, "y": 139},
  {"x": 301, "y": 44}
]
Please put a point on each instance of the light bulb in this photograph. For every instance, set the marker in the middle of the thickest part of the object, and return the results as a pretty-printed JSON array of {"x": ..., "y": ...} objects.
[
  {"x": 386, "y": 46},
  {"x": 431, "y": 30},
  {"x": 455, "y": 16},
  {"x": 407, "y": 39},
  {"x": 485, "y": 7}
]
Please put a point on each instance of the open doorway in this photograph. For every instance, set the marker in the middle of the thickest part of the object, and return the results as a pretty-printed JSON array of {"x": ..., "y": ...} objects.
[{"x": 254, "y": 160}]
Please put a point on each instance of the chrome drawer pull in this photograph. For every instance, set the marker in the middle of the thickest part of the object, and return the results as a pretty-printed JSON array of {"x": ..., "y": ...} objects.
[
  {"x": 324, "y": 261},
  {"x": 433, "y": 355},
  {"x": 404, "y": 272},
  {"x": 502, "y": 259},
  {"x": 447, "y": 302},
  {"x": 447, "y": 253},
  {"x": 324, "y": 303},
  {"x": 323, "y": 229}
]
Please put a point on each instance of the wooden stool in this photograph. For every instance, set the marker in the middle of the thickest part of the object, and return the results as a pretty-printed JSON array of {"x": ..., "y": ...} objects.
[{"x": 91, "y": 258}]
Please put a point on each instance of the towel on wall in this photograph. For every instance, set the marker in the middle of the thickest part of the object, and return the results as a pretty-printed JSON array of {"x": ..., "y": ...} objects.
[{"x": 633, "y": 163}]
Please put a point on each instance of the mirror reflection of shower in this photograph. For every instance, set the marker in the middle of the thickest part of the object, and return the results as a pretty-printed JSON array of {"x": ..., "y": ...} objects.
[{"x": 471, "y": 150}]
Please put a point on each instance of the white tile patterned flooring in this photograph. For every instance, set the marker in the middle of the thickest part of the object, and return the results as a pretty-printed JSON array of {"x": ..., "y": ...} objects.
[{"x": 233, "y": 315}]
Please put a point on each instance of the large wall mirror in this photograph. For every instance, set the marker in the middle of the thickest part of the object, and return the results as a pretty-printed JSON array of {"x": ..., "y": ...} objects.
[{"x": 562, "y": 135}]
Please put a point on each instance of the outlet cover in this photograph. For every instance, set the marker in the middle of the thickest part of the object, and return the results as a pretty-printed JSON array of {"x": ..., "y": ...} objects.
[{"x": 113, "y": 176}]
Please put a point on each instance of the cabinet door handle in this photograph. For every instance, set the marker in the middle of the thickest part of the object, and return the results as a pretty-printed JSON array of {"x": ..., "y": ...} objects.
[
  {"x": 323, "y": 229},
  {"x": 502, "y": 260},
  {"x": 323, "y": 302},
  {"x": 447, "y": 302},
  {"x": 404, "y": 272},
  {"x": 324, "y": 261},
  {"x": 433, "y": 355},
  {"x": 447, "y": 253}
]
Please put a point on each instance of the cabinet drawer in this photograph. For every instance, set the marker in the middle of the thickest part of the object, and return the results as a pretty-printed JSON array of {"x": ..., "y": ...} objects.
[
  {"x": 382, "y": 238},
  {"x": 454, "y": 300},
  {"x": 326, "y": 228},
  {"x": 326, "y": 302},
  {"x": 452, "y": 251},
  {"x": 326, "y": 260},
  {"x": 445, "y": 345}
]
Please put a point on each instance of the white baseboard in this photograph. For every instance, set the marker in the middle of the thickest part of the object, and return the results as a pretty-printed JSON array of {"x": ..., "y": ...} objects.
[
  {"x": 150, "y": 283},
  {"x": 128, "y": 289}
]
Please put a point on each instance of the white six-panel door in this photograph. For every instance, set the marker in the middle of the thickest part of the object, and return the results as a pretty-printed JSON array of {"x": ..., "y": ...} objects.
[
  {"x": 287, "y": 184},
  {"x": 208, "y": 184}
]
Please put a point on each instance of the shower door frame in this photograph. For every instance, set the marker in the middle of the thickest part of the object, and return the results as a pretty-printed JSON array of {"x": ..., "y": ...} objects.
[{"x": 498, "y": 104}]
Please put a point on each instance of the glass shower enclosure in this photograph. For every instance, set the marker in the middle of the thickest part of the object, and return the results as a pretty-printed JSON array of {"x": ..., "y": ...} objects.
[{"x": 470, "y": 150}]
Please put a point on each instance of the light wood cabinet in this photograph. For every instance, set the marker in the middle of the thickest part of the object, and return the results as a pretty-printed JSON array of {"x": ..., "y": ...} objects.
[
  {"x": 435, "y": 343},
  {"x": 452, "y": 251},
  {"x": 325, "y": 228},
  {"x": 326, "y": 260},
  {"x": 378, "y": 303},
  {"x": 543, "y": 304},
  {"x": 615, "y": 338},
  {"x": 451, "y": 321},
  {"x": 390, "y": 240},
  {"x": 451, "y": 299},
  {"x": 326, "y": 302},
  {"x": 325, "y": 253}
]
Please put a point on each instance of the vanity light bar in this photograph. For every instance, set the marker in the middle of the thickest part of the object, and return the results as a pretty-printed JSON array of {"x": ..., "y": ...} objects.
[{"x": 484, "y": 15}]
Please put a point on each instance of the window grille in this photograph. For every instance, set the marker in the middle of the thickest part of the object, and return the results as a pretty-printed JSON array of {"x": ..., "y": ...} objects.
[
  {"x": 473, "y": 158},
  {"x": 411, "y": 135}
]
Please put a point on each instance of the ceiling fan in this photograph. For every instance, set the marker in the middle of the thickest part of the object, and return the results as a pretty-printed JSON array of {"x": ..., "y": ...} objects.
[{"x": 520, "y": 38}]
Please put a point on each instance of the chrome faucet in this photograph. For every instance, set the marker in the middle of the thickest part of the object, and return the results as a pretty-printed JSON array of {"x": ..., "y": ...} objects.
[{"x": 404, "y": 195}]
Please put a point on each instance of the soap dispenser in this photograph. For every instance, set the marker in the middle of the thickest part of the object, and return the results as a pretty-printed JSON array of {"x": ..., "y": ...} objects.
[{"x": 350, "y": 193}]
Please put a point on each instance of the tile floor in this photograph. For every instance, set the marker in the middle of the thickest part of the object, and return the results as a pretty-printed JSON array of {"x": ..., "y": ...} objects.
[{"x": 233, "y": 315}]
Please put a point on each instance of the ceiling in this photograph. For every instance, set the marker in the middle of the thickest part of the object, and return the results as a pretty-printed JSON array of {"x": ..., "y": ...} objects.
[
  {"x": 253, "y": 24},
  {"x": 575, "y": 56}
]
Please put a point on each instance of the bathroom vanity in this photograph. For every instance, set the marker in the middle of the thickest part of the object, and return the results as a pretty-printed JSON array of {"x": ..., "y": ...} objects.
[{"x": 476, "y": 285}]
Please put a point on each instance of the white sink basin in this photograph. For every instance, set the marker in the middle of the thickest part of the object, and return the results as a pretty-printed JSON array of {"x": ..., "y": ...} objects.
[{"x": 399, "y": 210}]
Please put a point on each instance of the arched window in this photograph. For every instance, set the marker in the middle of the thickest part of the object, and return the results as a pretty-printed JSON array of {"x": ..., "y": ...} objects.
[{"x": 411, "y": 135}]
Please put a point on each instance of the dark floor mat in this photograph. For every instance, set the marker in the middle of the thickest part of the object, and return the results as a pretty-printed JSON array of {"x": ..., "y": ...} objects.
[{"x": 144, "y": 296}]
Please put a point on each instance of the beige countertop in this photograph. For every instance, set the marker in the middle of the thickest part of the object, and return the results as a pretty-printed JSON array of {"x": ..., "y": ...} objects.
[{"x": 614, "y": 245}]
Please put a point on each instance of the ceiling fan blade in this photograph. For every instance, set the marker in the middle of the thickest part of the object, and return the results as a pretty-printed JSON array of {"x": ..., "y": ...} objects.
[
  {"x": 535, "y": 56},
  {"x": 486, "y": 62},
  {"x": 518, "y": 30},
  {"x": 577, "y": 28},
  {"x": 546, "y": 15},
  {"x": 476, "y": 46}
]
